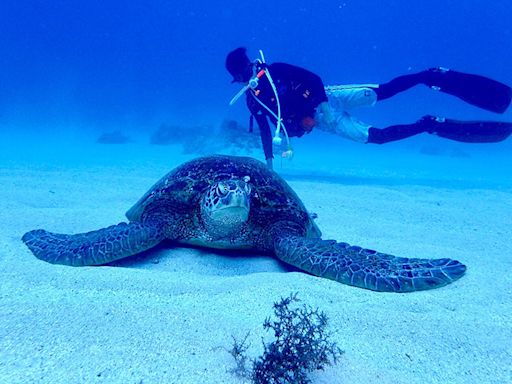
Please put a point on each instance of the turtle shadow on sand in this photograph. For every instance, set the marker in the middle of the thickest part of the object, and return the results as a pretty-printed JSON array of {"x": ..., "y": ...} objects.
[
  {"x": 193, "y": 259},
  {"x": 237, "y": 203}
]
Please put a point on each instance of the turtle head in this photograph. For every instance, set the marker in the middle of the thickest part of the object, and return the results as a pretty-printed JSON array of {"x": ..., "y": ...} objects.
[{"x": 225, "y": 206}]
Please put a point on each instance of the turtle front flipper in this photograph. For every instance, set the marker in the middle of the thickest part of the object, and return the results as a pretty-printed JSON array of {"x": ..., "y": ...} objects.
[
  {"x": 93, "y": 248},
  {"x": 366, "y": 268}
]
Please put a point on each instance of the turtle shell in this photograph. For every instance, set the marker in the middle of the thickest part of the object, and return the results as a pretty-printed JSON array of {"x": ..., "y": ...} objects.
[{"x": 180, "y": 191}]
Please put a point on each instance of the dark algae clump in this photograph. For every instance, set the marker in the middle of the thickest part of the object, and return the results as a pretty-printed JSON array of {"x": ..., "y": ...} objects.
[{"x": 301, "y": 345}]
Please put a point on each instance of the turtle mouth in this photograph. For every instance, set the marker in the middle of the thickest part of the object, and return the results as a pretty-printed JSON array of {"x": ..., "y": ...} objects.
[
  {"x": 230, "y": 214},
  {"x": 226, "y": 207}
]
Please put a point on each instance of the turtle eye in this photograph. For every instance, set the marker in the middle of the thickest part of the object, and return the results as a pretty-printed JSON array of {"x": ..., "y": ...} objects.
[{"x": 222, "y": 189}]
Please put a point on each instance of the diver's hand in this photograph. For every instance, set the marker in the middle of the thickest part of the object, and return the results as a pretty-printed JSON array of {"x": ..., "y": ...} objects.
[
  {"x": 328, "y": 118},
  {"x": 269, "y": 163}
]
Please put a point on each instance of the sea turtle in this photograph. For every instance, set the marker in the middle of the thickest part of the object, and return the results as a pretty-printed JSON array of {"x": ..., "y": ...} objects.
[{"x": 230, "y": 202}]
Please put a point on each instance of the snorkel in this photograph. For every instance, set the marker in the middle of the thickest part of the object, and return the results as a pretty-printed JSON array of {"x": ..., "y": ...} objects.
[{"x": 252, "y": 85}]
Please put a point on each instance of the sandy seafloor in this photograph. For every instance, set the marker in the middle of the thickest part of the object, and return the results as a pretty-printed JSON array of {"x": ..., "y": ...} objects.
[{"x": 169, "y": 316}]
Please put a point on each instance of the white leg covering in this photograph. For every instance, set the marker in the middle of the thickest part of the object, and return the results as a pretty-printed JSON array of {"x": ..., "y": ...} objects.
[
  {"x": 346, "y": 126},
  {"x": 343, "y": 97}
]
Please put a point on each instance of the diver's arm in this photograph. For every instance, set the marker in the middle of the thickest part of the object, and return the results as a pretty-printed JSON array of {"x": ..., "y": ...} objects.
[
  {"x": 328, "y": 118},
  {"x": 266, "y": 137},
  {"x": 265, "y": 133}
]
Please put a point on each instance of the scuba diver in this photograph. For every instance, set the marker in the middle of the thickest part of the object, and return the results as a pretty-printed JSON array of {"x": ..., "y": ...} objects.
[{"x": 295, "y": 100}]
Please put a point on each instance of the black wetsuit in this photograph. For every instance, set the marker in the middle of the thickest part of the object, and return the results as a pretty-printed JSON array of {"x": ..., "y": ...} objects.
[{"x": 300, "y": 92}]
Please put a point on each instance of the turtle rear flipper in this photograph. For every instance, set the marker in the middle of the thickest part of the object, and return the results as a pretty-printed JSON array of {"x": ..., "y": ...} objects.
[
  {"x": 366, "y": 268},
  {"x": 93, "y": 248}
]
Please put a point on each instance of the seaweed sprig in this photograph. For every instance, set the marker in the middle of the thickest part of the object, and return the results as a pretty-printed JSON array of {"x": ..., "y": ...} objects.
[{"x": 301, "y": 346}]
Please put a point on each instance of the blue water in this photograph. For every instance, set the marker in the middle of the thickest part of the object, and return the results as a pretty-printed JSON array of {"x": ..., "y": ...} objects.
[
  {"x": 73, "y": 70},
  {"x": 98, "y": 65}
]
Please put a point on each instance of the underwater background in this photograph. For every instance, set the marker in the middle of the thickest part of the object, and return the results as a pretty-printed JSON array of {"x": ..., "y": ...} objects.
[
  {"x": 101, "y": 98},
  {"x": 91, "y": 66}
]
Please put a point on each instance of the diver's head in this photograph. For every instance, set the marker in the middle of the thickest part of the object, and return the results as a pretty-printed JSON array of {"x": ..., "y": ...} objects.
[{"x": 239, "y": 65}]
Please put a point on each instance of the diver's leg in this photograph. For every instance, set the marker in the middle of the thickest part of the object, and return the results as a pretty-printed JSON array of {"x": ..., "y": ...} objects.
[
  {"x": 476, "y": 90},
  {"x": 467, "y": 131},
  {"x": 400, "y": 84},
  {"x": 395, "y": 132},
  {"x": 345, "y": 125},
  {"x": 457, "y": 130}
]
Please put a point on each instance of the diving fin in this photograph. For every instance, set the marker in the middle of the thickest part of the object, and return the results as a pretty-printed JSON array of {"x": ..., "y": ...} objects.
[
  {"x": 467, "y": 131},
  {"x": 477, "y": 90}
]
